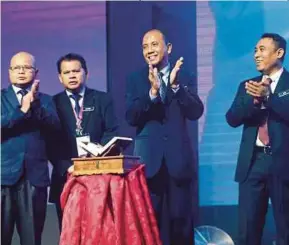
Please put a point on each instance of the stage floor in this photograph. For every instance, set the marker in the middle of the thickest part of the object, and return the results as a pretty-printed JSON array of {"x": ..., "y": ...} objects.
[
  {"x": 51, "y": 233},
  {"x": 224, "y": 217}
]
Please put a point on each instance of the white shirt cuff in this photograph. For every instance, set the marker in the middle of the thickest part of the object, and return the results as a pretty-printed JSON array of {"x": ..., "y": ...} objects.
[{"x": 153, "y": 97}]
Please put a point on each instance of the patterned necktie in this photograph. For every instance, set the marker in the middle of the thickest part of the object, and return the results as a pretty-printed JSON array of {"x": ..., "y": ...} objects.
[
  {"x": 163, "y": 88},
  {"x": 23, "y": 92},
  {"x": 263, "y": 128},
  {"x": 76, "y": 98}
]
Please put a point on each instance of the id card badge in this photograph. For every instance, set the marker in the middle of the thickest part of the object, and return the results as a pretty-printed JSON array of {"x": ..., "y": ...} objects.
[
  {"x": 88, "y": 109},
  {"x": 82, "y": 138}
]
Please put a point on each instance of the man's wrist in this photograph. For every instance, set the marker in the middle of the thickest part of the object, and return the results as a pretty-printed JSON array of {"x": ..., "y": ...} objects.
[
  {"x": 25, "y": 109},
  {"x": 175, "y": 85},
  {"x": 154, "y": 92}
]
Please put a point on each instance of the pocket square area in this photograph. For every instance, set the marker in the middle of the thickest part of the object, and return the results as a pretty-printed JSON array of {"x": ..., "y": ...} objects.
[
  {"x": 283, "y": 93},
  {"x": 88, "y": 108}
]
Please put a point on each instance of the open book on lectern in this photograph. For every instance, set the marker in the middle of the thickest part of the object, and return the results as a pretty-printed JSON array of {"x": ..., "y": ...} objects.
[{"x": 114, "y": 147}]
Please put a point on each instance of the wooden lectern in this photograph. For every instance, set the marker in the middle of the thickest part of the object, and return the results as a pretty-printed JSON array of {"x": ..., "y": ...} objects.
[{"x": 104, "y": 165}]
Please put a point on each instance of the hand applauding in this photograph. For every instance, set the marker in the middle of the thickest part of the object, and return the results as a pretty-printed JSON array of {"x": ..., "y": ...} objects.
[{"x": 173, "y": 75}]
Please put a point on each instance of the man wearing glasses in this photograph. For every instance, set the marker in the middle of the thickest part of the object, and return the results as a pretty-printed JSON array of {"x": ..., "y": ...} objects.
[{"x": 27, "y": 117}]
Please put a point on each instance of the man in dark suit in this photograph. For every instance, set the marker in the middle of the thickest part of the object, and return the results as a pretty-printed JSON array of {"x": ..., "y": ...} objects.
[
  {"x": 82, "y": 111},
  {"x": 261, "y": 106},
  {"x": 159, "y": 100},
  {"x": 27, "y": 117}
]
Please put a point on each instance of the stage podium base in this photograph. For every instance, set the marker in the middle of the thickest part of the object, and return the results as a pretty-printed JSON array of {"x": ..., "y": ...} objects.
[{"x": 108, "y": 209}]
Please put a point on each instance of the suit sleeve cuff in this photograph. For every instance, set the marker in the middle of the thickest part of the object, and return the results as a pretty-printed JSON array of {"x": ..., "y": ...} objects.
[
  {"x": 154, "y": 98},
  {"x": 176, "y": 89},
  {"x": 181, "y": 94}
]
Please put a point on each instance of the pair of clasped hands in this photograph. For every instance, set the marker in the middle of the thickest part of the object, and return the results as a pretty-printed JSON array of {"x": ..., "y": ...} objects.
[
  {"x": 30, "y": 96},
  {"x": 155, "y": 79},
  {"x": 259, "y": 90}
]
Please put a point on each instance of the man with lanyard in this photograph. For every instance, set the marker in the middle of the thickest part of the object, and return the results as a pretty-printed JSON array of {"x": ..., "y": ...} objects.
[{"x": 85, "y": 114}]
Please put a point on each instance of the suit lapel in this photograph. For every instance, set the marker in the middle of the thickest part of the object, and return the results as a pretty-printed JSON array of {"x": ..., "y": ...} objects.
[
  {"x": 67, "y": 111},
  {"x": 11, "y": 97},
  {"x": 258, "y": 79},
  {"x": 283, "y": 83},
  {"x": 87, "y": 102},
  {"x": 169, "y": 95},
  {"x": 146, "y": 81}
]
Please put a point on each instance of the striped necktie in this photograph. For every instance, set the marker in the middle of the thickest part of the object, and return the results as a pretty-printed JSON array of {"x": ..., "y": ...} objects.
[
  {"x": 163, "y": 88},
  {"x": 23, "y": 92},
  {"x": 76, "y": 97},
  {"x": 263, "y": 128}
]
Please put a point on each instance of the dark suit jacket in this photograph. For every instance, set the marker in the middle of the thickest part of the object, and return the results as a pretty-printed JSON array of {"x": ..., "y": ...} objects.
[
  {"x": 100, "y": 124},
  {"x": 23, "y": 140},
  {"x": 161, "y": 129},
  {"x": 243, "y": 112}
]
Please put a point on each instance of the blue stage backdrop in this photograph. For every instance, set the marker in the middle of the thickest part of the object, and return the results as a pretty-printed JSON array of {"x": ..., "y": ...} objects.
[{"x": 51, "y": 29}]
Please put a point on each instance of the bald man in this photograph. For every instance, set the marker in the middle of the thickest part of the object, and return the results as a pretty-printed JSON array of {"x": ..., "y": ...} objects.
[
  {"x": 160, "y": 99},
  {"x": 27, "y": 117}
]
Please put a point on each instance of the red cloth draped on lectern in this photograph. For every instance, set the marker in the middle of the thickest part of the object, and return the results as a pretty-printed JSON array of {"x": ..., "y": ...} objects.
[{"x": 108, "y": 210}]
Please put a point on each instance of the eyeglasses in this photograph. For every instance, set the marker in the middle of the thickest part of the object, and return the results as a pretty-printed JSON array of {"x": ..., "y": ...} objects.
[{"x": 25, "y": 68}]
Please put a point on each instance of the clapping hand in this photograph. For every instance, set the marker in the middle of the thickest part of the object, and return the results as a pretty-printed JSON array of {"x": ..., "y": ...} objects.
[
  {"x": 34, "y": 90},
  {"x": 174, "y": 72},
  {"x": 259, "y": 90},
  {"x": 154, "y": 80}
]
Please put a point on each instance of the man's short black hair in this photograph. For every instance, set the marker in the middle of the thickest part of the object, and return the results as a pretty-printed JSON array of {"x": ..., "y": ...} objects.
[
  {"x": 70, "y": 57},
  {"x": 279, "y": 41}
]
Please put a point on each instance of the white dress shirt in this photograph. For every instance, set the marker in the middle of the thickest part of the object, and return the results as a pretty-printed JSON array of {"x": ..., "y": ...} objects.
[
  {"x": 166, "y": 73},
  {"x": 275, "y": 79},
  {"x": 18, "y": 95},
  {"x": 72, "y": 101},
  {"x": 165, "y": 77}
]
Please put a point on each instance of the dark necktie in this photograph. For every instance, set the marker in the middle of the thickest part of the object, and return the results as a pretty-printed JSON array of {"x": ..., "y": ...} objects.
[
  {"x": 263, "y": 128},
  {"x": 23, "y": 92},
  {"x": 163, "y": 88},
  {"x": 76, "y": 98}
]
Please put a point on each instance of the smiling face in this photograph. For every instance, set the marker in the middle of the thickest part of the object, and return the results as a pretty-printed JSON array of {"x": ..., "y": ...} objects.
[
  {"x": 267, "y": 56},
  {"x": 72, "y": 75},
  {"x": 155, "y": 49},
  {"x": 22, "y": 71}
]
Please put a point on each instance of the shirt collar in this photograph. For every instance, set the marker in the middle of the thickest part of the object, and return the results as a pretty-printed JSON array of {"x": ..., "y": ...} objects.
[
  {"x": 276, "y": 76},
  {"x": 17, "y": 89},
  {"x": 81, "y": 92},
  {"x": 166, "y": 70}
]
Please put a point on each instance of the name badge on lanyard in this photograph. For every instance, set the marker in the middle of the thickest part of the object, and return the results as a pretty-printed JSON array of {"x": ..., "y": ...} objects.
[{"x": 78, "y": 118}]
